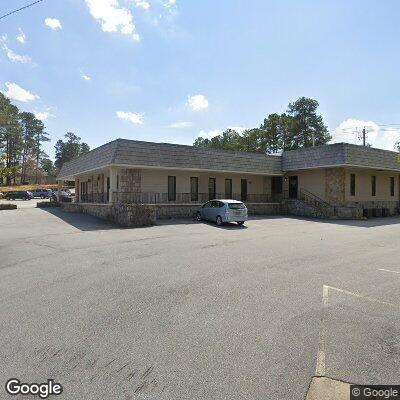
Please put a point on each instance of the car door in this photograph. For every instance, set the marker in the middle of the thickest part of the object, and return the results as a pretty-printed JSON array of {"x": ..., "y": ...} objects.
[
  {"x": 205, "y": 210},
  {"x": 214, "y": 209}
]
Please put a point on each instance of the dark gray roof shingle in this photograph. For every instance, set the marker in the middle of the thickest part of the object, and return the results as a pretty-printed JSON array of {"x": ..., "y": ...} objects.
[
  {"x": 133, "y": 152},
  {"x": 340, "y": 154},
  {"x": 175, "y": 156}
]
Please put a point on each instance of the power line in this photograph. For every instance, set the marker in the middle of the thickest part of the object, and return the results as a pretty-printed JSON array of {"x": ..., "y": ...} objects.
[{"x": 19, "y": 9}]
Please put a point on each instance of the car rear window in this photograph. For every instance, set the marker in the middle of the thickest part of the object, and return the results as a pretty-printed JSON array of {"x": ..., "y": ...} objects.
[{"x": 236, "y": 206}]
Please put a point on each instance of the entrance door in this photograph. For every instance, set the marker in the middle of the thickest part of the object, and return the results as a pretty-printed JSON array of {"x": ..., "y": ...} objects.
[
  {"x": 293, "y": 187},
  {"x": 211, "y": 188},
  {"x": 108, "y": 188},
  {"x": 243, "y": 191}
]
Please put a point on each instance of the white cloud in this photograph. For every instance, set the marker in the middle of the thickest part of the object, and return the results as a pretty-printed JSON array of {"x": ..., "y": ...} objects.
[
  {"x": 13, "y": 56},
  {"x": 197, "y": 102},
  {"x": 42, "y": 115},
  {"x": 53, "y": 23},
  {"x": 16, "y": 92},
  {"x": 131, "y": 117},
  {"x": 350, "y": 131},
  {"x": 112, "y": 17},
  {"x": 21, "y": 37},
  {"x": 85, "y": 77},
  {"x": 179, "y": 125},
  {"x": 169, "y": 3},
  {"x": 209, "y": 134},
  {"x": 142, "y": 4}
]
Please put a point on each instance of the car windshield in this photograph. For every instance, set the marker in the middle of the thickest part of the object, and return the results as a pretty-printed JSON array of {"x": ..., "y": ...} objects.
[{"x": 236, "y": 206}]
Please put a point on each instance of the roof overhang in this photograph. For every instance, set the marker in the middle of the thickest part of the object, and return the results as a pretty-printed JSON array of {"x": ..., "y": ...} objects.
[
  {"x": 85, "y": 172},
  {"x": 345, "y": 166}
]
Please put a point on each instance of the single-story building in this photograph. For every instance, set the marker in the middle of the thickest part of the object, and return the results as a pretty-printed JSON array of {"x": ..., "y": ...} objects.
[{"x": 336, "y": 180}]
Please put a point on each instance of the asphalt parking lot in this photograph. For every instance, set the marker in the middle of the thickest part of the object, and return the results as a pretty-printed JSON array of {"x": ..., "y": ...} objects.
[
  {"x": 23, "y": 203},
  {"x": 194, "y": 311}
]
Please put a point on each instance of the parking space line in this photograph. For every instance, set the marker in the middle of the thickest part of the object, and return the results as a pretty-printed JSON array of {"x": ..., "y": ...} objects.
[
  {"x": 388, "y": 270},
  {"x": 320, "y": 368},
  {"x": 361, "y": 296}
]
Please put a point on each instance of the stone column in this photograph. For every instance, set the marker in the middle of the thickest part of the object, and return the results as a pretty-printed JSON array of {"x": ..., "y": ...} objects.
[
  {"x": 59, "y": 187},
  {"x": 335, "y": 185},
  {"x": 77, "y": 191},
  {"x": 113, "y": 184}
]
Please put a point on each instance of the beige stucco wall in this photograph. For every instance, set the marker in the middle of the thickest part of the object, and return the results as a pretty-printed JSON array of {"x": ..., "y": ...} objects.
[
  {"x": 156, "y": 180},
  {"x": 312, "y": 180},
  {"x": 315, "y": 181},
  {"x": 363, "y": 185}
]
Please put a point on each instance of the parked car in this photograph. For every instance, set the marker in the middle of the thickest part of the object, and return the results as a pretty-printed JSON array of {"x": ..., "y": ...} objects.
[
  {"x": 221, "y": 211},
  {"x": 20, "y": 194},
  {"x": 42, "y": 193},
  {"x": 64, "y": 196}
]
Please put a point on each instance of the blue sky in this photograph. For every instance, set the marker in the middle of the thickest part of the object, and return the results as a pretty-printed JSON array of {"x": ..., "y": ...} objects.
[{"x": 165, "y": 70}]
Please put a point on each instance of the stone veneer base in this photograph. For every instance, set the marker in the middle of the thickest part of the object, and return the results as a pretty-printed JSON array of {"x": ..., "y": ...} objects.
[{"x": 136, "y": 215}]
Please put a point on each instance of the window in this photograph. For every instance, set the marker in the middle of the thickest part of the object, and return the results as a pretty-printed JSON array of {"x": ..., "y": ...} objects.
[
  {"x": 228, "y": 188},
  {"x": 373, "y": 185},
  {"x": 172, "y": 188},
  {"x": 276, "y": 185},
  {"x": 352, "y": 184},
  {"x": 194, "y": 188},
  {"x": 211, "y": 188},
  {"x": 392, "y": 186},
  {"x": 243, "y": 187}
]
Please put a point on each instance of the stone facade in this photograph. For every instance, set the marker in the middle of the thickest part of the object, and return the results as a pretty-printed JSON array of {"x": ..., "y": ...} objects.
[
  {"x": 301, "y": 209},
  {"x": 264, "y": 208},
  {"x": 135, "y": 215},
  {"x": 392, "y": 206},
  {"x": 130, "y": 180},
  {"x": 335, "y": 183},
  {"x": 129, "y": 215}
]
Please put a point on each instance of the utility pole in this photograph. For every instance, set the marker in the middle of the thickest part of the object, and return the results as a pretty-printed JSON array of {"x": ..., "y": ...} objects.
[{"x": 364, "y": 134}]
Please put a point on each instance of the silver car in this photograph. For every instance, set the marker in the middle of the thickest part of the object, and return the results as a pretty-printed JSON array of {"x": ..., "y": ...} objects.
[{"x": 221, "y": 211}]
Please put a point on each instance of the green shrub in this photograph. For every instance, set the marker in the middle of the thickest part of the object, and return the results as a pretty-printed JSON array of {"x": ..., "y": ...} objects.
[{"x": 8, "y": 206}]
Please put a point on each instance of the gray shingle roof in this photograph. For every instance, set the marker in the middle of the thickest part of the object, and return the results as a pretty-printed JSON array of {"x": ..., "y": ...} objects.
[
  {"x": 340, "y": 154},
  {"x": 138, "y": 153},
  {"x": 176, "y": 156}
]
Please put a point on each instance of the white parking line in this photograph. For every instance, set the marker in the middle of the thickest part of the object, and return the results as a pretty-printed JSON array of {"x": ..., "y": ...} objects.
[
  {"x": 389, "y": 270},
  {"x": 320, "y": 368}
]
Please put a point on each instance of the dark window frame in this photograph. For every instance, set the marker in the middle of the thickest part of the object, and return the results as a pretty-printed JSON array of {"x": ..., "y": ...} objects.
[
  {"x": 228, "y": 194},
  {"x": 194, "y": 195},
  {"x": 212, "y": 194},
  {"x": 392, "y": 185},
  {"x": 373, "y": 185},
  {"x": 244, "y": 193},
  {"x": 171, "y": 194},
  {"x": 352, "y": 184}
]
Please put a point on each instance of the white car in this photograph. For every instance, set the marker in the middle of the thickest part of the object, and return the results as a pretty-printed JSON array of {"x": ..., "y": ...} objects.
[{"x": 220, "y": 211}]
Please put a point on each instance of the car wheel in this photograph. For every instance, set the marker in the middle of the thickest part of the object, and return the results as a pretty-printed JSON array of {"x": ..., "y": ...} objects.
[
  {"x": 240, "y": 222},
  {"x": 198, "y": 216},
  {"x": 42, "y": 197},
  {"x": 219, "y": 221}
]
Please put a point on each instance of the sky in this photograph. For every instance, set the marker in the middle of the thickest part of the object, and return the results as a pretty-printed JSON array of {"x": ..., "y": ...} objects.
[{"x": 171, "y": 70}]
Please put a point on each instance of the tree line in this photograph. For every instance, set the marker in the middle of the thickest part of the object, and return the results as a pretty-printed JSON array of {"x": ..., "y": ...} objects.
[
  {"x": 22, "y": 136},
  {"x": 299, "y": 127}
]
